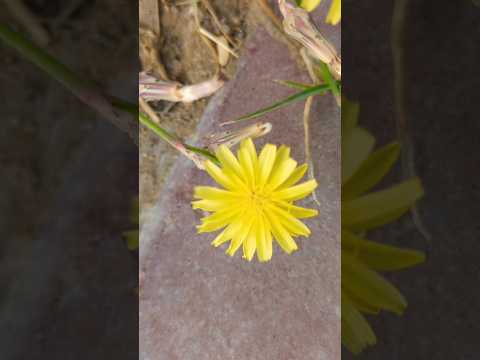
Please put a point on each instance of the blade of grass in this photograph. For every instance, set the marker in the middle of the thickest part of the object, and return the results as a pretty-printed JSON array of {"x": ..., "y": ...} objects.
[
  {"x": 332, "y": 83},
  {"x": 314, "y": 90},
  {"x": 294, "y": 84}
]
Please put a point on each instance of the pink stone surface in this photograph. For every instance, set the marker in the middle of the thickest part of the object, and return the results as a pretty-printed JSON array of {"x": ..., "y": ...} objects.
[{"x": 198, "y": 303}]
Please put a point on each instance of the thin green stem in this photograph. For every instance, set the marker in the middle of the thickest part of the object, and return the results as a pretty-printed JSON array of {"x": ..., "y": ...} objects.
[
  {"x": 313, "y": 90},
  {"x": 81, "y": 87},
  {"x": 42, "y": 59},
  {"x": 294, "y": 84},
  {"x": 157, "y": 129},
  {"x": 171, "y": 138},
  {"x": 332, "y": 83},
  {"x": 87, "y": 92}
]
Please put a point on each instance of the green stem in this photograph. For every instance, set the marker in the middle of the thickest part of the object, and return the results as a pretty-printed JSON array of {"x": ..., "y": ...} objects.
[
  {"x": 157, "y": 129},
  {"x": 171, "y": 138},
  {"x": 42, "y": 59},
  {"x": 86, "y": 90},
  {"x": 332, "y": 83},
  {"x": 313, "y": 90},
  {"x": 82, "y": 88}
]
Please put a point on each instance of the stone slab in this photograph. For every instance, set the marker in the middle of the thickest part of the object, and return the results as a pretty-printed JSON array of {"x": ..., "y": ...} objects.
[{"x": 198, "y": 303}]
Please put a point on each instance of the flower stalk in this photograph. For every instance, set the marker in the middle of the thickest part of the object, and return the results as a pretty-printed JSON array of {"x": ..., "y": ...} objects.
[
  {"x": 195, "y": 154},
  {"x": 82, "y": 88}
]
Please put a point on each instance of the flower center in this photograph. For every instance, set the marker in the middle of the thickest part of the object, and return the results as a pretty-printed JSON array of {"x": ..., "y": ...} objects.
[{"x": 257, "y": 200}]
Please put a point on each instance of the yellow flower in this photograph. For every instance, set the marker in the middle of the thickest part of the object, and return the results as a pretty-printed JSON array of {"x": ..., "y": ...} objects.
[
  {"x": 364, "y": 290},
  {"x": 255, "y": 205},
  {"x": 334, "y": 14}
]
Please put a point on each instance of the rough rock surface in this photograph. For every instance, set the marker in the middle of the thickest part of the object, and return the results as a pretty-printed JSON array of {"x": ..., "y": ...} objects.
[{"x": 198, "y": 303}]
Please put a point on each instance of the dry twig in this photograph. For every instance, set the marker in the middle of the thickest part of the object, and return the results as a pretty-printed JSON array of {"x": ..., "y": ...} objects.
[
  {"x": 401, "y": 117},
  {"x": 298, "y": 25},
  {"x": 152, "y": 89}
]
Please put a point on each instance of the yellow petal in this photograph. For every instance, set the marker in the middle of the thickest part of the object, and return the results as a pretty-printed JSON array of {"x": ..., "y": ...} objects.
[
  {"x": 250, "y": 244},
  {"x": 229, "y": 161},
  {"x": 335, "y": 13},
  {"x": 297, "y": 211},
  {"x": 350, "y": 111},
  {"x": 281, "y": 235},
  {"x": 356, "y": 332},
  {"x": 212, "y": 193},
  {"x": 240, "y": 182},
  {"x": 264, "y": 251},
  {"x": 372, "y": 170},
  {"x": 250, "y": 146},
  {"x": 221, "y": 238},
  {"x": 221, "y": 215},
  {"x": 378, "y": 256},
  {"x": 211, "y": 205},
  {"x": 360, "y": 305},
  {"x": 309, "y": 5},
  {"x": 381, "y": 207},
  {"x": 268, "y": 240},
  {"x": 296, "y": 192},
  {"x": 246, "y": 162},
  {"x": 296, "y": 176},
  {"x": 355, "y": 149},
  {"x": 281, "y": 173},
  {"x": 239, "y": 236},
  {"x": 369, "y": 286},
  {"x": 132, "y": 238},
  {"x": 289, "y": 222},
  {"x": 219, "y": 176},
  {"x": 282, "y": 155},
  {"x": 218, "y": 220},
  {"x": 266, "y": 161}
]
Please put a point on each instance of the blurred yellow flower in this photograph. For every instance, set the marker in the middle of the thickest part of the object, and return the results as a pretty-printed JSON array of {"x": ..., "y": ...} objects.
[
  {"x": 257, "y": 202},
  {"x": 334, "y": 14},
  {"x": 364, "y": 290}
]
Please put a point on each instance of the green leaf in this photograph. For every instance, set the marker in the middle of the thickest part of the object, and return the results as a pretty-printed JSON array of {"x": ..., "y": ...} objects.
[
  {"x": 355, "y": 150},
  {"x": 370, "y": 287},
  {"x": 380, "y": 257},
  {"x": 381, "y": 207},
  {"x": 315, "y": 90},
  {"x": 371, "y": 171}
]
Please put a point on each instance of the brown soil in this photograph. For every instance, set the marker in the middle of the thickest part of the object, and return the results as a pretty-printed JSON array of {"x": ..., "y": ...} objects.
[{"x": 187, "y": 58}]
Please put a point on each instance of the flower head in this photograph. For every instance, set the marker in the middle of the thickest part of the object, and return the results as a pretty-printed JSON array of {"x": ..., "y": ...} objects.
[
  {"x": 255, "y": 205},
  {"x": 364, "y": 289}
]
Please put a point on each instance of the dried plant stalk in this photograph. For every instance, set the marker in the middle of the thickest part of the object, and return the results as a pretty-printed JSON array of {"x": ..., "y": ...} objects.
[
  {"x": 231, "y": 138},
  {"x": 152, "y": 89},
  {"x": 299, "y": 26}
]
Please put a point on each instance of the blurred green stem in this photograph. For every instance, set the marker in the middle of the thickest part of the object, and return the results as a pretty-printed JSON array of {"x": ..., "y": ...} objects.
[
  {"x": 84, "y": 89},
  {"x": 87, "y": 91}
]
